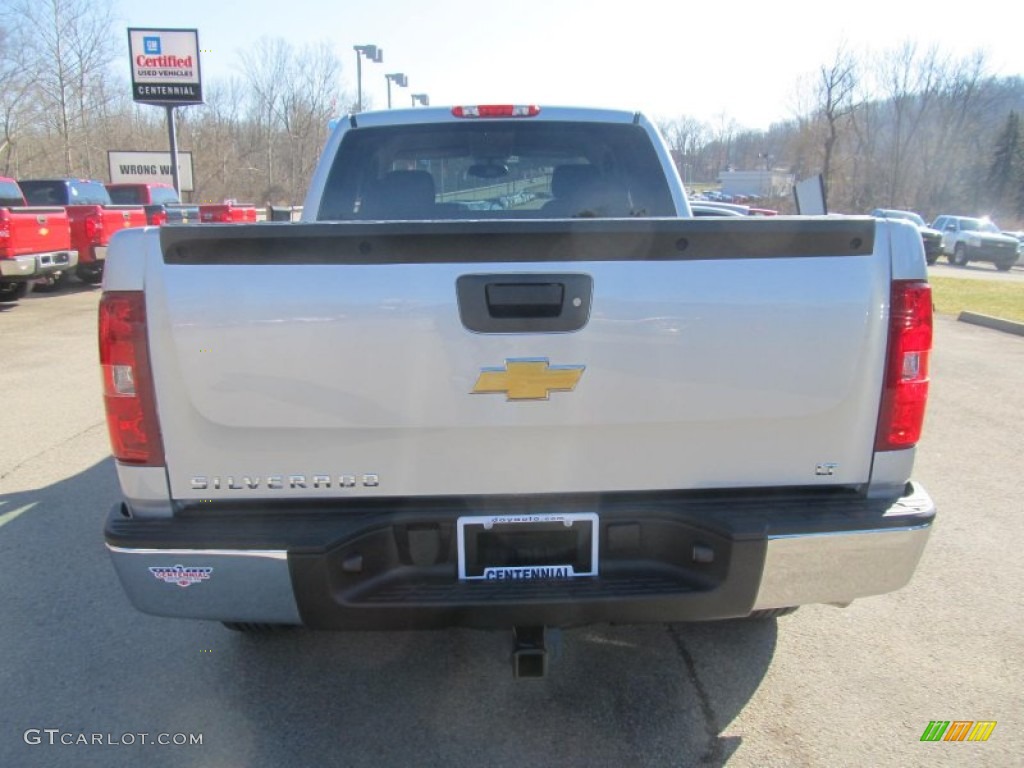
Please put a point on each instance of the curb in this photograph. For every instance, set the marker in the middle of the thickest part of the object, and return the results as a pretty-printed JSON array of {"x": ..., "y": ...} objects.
[{"x": 995, "y": 323}]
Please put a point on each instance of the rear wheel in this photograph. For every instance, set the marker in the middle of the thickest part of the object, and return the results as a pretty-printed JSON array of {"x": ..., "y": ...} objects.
[
  {"x": 13, "y": 291},
  {"x": 1004, "y": 266},
  {"x": 88, "y": 273},
  {"x": 960, "y": 255},
  {"x": 932, "y": 259},
  {"x": 52, "y": 282}
]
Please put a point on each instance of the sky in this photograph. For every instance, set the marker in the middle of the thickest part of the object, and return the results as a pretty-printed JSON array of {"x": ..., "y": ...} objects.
[{"x": 714, "y": 60}]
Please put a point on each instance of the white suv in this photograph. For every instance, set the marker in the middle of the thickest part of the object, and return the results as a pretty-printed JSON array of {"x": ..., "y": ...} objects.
[{"x": 967, "y": 239}]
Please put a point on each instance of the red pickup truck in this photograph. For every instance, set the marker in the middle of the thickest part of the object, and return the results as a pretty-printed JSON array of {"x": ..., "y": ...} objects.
[
  {"x": 92, "y": 217},
  {"x": 228, "y": 212},
  {"x": 34, "y": 243},
  {"x": 160, "y": 202}
]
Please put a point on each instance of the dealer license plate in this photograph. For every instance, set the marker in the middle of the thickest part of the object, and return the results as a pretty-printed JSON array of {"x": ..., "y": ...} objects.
[{"x": 526, "y": 547}]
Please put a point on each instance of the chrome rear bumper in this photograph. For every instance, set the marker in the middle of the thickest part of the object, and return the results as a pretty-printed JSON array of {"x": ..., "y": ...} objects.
[{"x": 358, "y": 572}]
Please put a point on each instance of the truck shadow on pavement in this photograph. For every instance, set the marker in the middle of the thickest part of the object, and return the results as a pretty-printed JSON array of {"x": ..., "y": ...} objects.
[
  {"x": 71, "y": 287},
  {"x": 80, "y": 658}
]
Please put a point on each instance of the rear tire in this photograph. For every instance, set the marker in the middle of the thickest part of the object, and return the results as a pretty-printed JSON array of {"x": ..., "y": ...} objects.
[
  {"x": 1004, "y": 266},
  {"x": 90, "y": 274},
  {"x": 13, "y": 291},
  {"x": 932, "y": 259}
]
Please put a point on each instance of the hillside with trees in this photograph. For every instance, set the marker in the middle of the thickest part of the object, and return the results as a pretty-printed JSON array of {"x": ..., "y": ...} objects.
[{"x": 908, "y": 127}]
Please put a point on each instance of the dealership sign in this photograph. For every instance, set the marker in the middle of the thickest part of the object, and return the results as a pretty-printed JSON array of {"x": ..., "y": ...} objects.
[
  {"x": 165, "y": 66},
  {"x": 149, "y": 168}
]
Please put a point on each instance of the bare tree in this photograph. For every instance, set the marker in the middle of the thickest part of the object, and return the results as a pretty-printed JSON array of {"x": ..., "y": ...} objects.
[
  {"x": 687, "y": 137},
  {"x": 837, "y": 83},
  {"x": 266, "y": 69},
  {"x": 911, "y": 82},
  {"x": 72, "y": 45},
  {"x": 15, "y": 86},
  {"x": 308, "y": 100}
]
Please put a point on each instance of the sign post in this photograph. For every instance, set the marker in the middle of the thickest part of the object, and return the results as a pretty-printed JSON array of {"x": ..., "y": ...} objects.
[{"x": 165, "y": 72}]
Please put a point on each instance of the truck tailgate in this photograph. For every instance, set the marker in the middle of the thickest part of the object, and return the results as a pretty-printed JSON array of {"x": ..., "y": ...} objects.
[
  {"x": 35, "y": 230},
  {"x": 331, "y": 360}
]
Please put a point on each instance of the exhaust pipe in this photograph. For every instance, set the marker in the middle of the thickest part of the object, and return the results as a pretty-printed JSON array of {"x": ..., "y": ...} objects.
[{"x": 529, "y": 655}]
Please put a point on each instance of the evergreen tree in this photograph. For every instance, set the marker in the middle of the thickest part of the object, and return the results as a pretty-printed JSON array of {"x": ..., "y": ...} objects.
[{"x": 1006, "y": 172}]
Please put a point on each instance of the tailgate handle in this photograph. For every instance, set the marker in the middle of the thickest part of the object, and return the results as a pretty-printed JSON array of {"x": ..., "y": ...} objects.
[
  {"x": 525, "y": 299},
  {"x": 524, "y": 303}
]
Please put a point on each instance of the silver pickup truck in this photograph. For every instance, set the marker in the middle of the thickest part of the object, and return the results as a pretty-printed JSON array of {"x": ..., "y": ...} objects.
[{"x": 500, "y": 377}]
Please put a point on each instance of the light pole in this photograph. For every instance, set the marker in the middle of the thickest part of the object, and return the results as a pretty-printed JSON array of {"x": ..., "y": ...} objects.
[
  {"x": 422, "y": 98},
  {"x": 398, "y": 79},
  {"x": 372, "y": 53}
]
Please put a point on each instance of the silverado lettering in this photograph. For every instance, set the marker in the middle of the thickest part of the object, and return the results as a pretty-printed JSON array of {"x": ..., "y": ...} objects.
[{"x": 278, "y": 482}]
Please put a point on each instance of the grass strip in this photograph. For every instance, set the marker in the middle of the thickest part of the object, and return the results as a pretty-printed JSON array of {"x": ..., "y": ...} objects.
[{"x": 997, "y": 298}]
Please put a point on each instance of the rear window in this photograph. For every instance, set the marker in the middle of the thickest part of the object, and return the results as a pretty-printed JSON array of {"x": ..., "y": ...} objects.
[
  {"x": 486, "y": 169},
  {"x": 125, "y": 195},
  {"x": 89, "y": 193},
  {"x": 163, "y": 195},
  {"x": 61, "y": 192},
  {"x": 10, "y": 195},
  {"x": 43, "y": 192}
]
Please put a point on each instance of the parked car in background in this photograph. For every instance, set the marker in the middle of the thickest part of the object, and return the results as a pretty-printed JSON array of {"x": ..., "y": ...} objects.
[
  {"x": 92, "y": 217},
  {"x": 713, "y": 208},
  {"x": 1020, "y": 244},
  {"x": 160, "y": 202},
  {"x": 35, "y": 243},
  {"x": 966, "y": 239},
  {"x": 702, "y": 209},
  {"x": 931, "y": 238}
]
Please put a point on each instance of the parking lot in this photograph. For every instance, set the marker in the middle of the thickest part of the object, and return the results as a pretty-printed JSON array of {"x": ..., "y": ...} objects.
[
  {"x": 976, "y": 271},
  {"x": 825, "y": 686}
]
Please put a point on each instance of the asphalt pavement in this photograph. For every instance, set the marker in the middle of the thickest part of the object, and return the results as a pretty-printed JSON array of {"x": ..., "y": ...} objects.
[{"x": 825, "y": 686}]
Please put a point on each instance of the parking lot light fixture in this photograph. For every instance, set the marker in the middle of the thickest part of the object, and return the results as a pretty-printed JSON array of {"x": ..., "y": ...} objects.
[
  {"x": 398, "y": 79},
  {"x": 422, "y": 98},
  {"x": 372, "y": 53}
]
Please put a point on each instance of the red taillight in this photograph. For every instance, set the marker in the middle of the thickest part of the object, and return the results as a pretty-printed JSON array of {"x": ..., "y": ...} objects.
[
  {"x": 905, "y": 392},
  {"x": 128, "y": 381},
  {"x": 158, "y": 219},
  {"x": 94, "y": 228},
  {"x": 5, "y": 234},
  {"x": 497, "y": 110}
]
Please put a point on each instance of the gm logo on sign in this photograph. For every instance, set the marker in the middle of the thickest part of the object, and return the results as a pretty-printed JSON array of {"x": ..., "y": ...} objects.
[
  {"x": 958, "y": 730},
  {"x": 151, "y": 45}
]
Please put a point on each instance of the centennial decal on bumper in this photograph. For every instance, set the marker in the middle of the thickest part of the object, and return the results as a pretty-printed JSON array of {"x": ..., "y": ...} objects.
[
  {"x": 180, "y": 575},
  {"x": 525, "y": 573}
]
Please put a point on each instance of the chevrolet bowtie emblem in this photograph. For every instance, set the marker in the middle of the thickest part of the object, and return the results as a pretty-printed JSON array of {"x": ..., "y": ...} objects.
[{"x": 531, "y": 379}]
